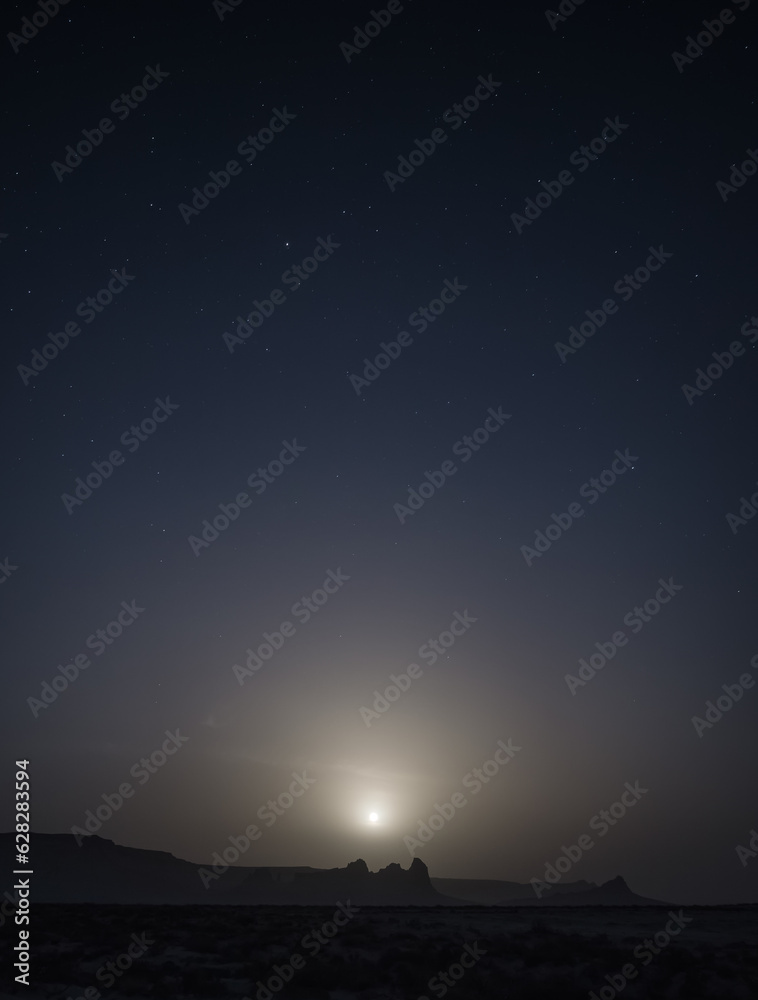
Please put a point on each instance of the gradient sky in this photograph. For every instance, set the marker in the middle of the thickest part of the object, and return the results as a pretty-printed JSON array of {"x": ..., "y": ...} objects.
[{"x": 322, "y": 177}]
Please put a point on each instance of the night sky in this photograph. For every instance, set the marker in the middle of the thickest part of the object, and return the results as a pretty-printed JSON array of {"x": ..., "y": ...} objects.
[{"x": 375, "y": 296}]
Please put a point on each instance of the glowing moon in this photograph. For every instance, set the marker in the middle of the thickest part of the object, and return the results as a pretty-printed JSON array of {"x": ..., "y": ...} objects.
[{"x": 373, "y": 817}]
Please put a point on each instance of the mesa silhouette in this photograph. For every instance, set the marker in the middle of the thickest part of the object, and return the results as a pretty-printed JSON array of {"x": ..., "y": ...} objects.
[{"x": 103, "y": 872}]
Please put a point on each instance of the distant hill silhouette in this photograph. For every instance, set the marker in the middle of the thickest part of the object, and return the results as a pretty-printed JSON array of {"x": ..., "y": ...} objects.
[
  {"x": 612, "y": 893},
  {"x": 100, "y": 871},
  {"x": 492, "y": 892},
  {"x": 391, "y": 886}
]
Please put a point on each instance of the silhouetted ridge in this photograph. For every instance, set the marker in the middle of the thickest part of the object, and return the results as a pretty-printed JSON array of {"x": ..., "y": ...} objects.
[
  {"x": 99, "y": 871},
  {"x": 357, "y": 868}
]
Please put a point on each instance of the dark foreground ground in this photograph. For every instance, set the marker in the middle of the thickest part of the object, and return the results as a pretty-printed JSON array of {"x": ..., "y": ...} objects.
[{"x": 387, "y": 953}]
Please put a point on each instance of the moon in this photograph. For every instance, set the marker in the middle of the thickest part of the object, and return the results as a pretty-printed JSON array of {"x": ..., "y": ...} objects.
[{"x": 373, "y": 817}]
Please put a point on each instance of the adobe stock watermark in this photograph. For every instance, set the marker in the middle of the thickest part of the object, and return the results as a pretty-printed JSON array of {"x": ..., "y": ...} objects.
[
  {"x": 565, "y": 9},
  {"x": 312, "y": 942},
  {"x": 423, "y": 317},
  {"x": 88, "y": 309},
  {"x": 715, "y": 712},
  {"x": 447, "y": 978},
  {"x": 223, "y": 8},
  {"x": 580, "y": 158},
  {"x": 30, "y": 26},
  {"x": 635, "y": 620},
  {"x": 722, "y": 361},
  {"x": 646, "y": 950},
  {"x": 474, "y": 780},
  {"x": 745, "y": 853},
  {"x": 711, "y": 29},
  {"x": 454, "y": 116},
  {"x": 131, "y": 440},
  {"x": 98, "y": 642},
  {"x": 747, "y": 510},
  {"x": 625, "y": 287},
  {"x": 123, "y": 106},
  {"x": 362, "y": 37},
  {"x": 739, "y": 175},
  {"x": 142, "y": 769},
  {"x": 6, "y": 568},
  {"x": 250, "y": 146},
  {"x": 600, "y": 823},
  {"x": 113, "y": 969},
  {"x": 11, "y": 905},
  {"x": 303, "y": 610},
  {"x": 592, "y": 490},
  {"x": 465, "y": 448},
  {"x": 259, "y": 480},
  {"x": 268, "y": 813},
  {"x": 429, "y": 652},
  {"x": 293, "y": 278}
]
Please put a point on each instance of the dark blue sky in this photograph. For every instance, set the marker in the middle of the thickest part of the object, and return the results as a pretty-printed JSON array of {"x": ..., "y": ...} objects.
[{"x": 325, "y": 451}]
